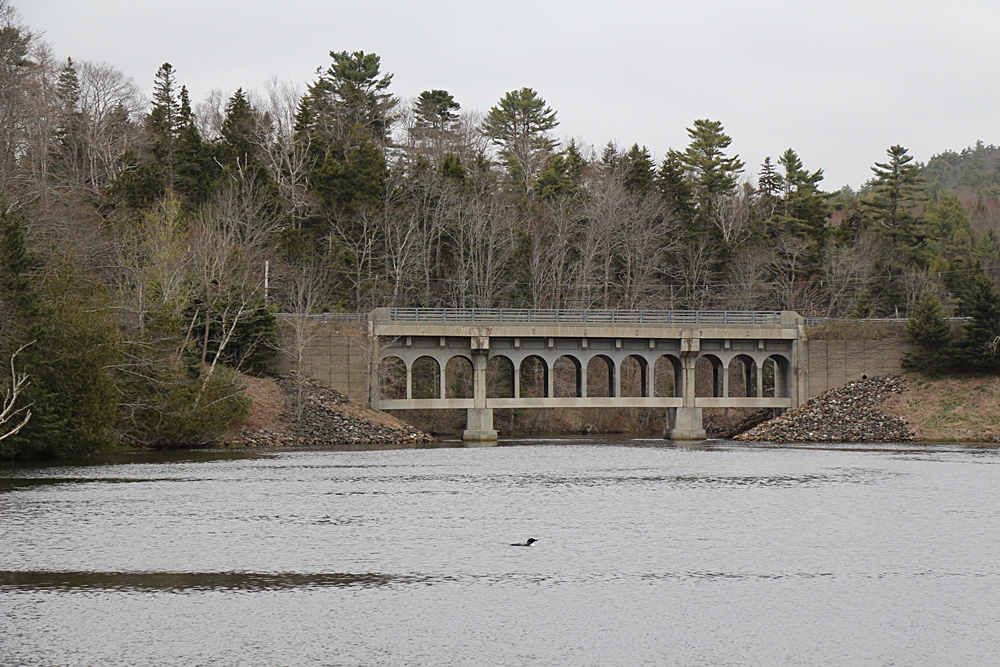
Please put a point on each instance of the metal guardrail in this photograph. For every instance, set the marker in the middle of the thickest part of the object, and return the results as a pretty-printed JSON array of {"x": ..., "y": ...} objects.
[
  {"x": 813, "y": 321},
  {"x": 582, "y": 316},
  {"x": 330, "y": 317}
]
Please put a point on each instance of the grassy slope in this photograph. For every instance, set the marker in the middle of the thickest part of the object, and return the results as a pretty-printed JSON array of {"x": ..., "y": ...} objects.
[{"x": 949, "y": 409}]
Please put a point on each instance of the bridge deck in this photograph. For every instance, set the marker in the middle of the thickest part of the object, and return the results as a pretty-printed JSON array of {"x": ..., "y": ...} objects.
[{"x": 591, "y": 402}]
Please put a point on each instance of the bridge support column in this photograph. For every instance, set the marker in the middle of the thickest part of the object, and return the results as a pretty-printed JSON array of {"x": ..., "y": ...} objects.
[
  {"x": 479, "y": 431},
  {"x": 685, "y": 423}
]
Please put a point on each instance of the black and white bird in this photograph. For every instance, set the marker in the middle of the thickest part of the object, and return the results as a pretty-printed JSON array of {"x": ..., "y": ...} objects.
[{"x": 528, "y": 543}]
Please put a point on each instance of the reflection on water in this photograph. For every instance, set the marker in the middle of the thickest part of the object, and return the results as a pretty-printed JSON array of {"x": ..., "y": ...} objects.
[
  {"x": 649, "y": 552},
  {"x": 188, "y": 581}
]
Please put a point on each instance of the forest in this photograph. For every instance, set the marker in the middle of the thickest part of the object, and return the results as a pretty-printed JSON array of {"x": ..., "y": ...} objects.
[{"x": 147, "y": 246}]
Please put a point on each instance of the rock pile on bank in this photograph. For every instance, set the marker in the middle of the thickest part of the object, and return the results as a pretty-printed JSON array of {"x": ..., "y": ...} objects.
[
  {"x": 847, "y": 414},
  {"x": 328, "y": 418}
]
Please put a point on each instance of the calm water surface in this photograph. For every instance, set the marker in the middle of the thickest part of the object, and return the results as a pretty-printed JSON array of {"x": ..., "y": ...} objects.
[{"x": 648, "y": 554}]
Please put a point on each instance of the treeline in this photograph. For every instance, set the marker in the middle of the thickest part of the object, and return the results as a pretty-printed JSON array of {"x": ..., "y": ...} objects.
[{"x": 147, "y": 244}]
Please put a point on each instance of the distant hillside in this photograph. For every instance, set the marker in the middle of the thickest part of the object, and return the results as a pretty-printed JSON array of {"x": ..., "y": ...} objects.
[{"x": 975, "y": 171}]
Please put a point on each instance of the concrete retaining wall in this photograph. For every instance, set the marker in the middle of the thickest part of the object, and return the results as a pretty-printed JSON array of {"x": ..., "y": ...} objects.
[
  {"x": 834, "y": 363},
  {"x": 336, "y": 356}
]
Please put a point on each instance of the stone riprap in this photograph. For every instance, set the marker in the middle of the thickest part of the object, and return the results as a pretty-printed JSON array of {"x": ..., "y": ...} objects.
[
  {"x": 847, "y": 414},
  {"x": 326, "y": 420}
]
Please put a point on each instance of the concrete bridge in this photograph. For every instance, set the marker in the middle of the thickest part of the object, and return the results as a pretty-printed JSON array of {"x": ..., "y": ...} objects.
[{"x": 634, "y": 359}]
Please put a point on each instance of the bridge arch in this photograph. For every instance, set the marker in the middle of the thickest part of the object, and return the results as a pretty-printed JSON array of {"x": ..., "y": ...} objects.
[
  {"x": 501, "y": 377},
  {"x": 425, "y": 378},
  {"x": 600, "y": 376},
  {"x": 776, "y": 371},
  {"x": 743, "y": 373},
  {"x": 634, "y": 376},
  {"x": 393, "y": 378},
  {"x": 534, "y": 377},
  {"x": 666, "y": 376},
  {"x": 458, "y": 377},
  {"x": 567, "y": 377},
  {"x": 709, "y": 376}
]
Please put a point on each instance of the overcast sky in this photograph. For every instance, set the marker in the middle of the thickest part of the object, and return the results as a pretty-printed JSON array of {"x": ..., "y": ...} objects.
[{"x": 838, "y": 81}]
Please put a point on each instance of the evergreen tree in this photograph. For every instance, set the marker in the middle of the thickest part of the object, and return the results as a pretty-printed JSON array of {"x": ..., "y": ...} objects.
[
  {"x": 16, "y": 263},
  {"x": 354, "y": 182},
  {"x": 712, "y": 171},
  {"x": 351, "y": 93},
  {"x": 896, "y": 186},
  {"x": 675, "y": 189},
  {"x": 164, "y": 117},
  {"x": 563, "y": 175},
  {"x": 74, "y": 344},
  {"x": 978, "y": 348},
  {"x": 195, "y": 170},
  {"x": 236, "y": 143},
  {"x": 610, "y": 157},
  {"x": 435, "y": 109},
  {"x": 803, "y": 208},
  {"x": 770, "y": 187},
  {"x": 930, "y": 333},
  {"x": 638, "y": 170},
  {"x": 452, "y": 167},
  {"x": 519, "y": 126},
  {"x": 69, "y": 133},
  {"x": 864, "y": 307}
]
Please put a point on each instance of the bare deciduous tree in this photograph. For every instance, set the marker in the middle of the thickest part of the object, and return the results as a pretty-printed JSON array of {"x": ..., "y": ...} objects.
[
  {"x": 481, "y": 227},
  {"x": 731, "y": 214},
  {"x": 693, "y": 268},
  {"x": 303, "y": 288},
  {"x": 13, "y": 418},
  {"x": 286, "y": 154},
  {"x": 230, "y": 239},
  {"x": 749, "y": 272}
]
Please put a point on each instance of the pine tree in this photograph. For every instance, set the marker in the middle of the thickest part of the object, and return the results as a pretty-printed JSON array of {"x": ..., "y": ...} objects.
[
  {"x": 195, "y": 172},
  {"x": 519, "y": 126},
  {"x": 236, "y": 143},
  {"x": 713, "y": 172},
  {"x": 638, "y": 170},
  {"x": 863, "y": 307},
  {"x": 802, "y": 208},
  {"x": 435, "y": 109},
  {"x": 930, "y": 333},
  {"x": 896, "y": 186},
  {"x": 351, "y": 93},
  {"x": 163, "y": 119},
  {"x": 675, "y": 188},
  {"x": 978, "y": 348}
]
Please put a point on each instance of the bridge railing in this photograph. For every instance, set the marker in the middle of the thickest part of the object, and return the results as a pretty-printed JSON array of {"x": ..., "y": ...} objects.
[
  {"x": 329, "y": 317},
  {"x": 582, "y": 316}
]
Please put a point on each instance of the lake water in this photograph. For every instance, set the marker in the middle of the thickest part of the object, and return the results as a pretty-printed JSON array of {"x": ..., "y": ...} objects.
[{"x": 647, "y": 554}]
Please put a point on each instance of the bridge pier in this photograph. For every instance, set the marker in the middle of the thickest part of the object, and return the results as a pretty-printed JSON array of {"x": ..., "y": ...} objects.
[
  {"x": 684, "y": 424},
  {"x": 479, "y": 431}
]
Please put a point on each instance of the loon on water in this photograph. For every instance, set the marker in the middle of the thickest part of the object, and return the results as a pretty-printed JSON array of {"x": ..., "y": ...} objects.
[{"x": 524, "y": 544}]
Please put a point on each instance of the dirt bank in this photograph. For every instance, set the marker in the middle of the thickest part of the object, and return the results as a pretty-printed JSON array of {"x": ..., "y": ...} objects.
[
  {"x": 950, "y": 409},
  {"x": 327, "y": 417}
]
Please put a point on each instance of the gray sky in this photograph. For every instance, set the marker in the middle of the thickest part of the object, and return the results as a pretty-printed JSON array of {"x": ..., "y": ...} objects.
[{"x": 838, "y": 81}]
